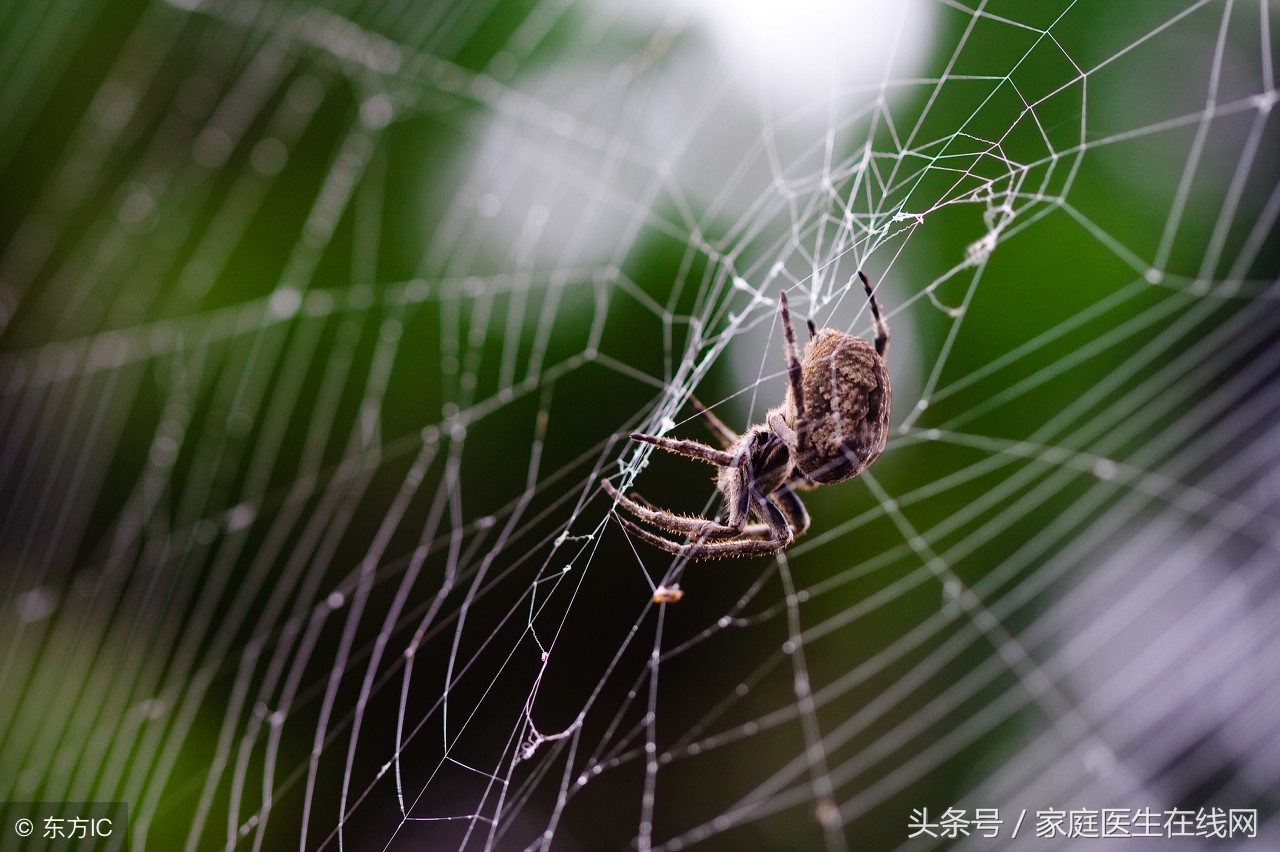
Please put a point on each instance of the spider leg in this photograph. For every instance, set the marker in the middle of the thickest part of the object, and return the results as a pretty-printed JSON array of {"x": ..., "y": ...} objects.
[
  {"x": 776, "y": 525},
  {"x": 763, "y": 530},
  {"x": 789, "y": 503},
  {"x": 779, "y": 529},
  {"x": 735, "y": 484},
  {"x": 780, "y": 428},
  {"x": 697, "y": 528},
  {"x": 794, "y": 516},
  {"x": 754, "y": 530},
  {"x": 650, "y": 510},
  {"x": 882, "y": 327},
  {"x": 697, "y": 550},
  {"x": 726, "y": 435},
  {"x": 758, "y": 531},
  {"x": 794, "y": 371},
  {"x": 692, "y": 449}
]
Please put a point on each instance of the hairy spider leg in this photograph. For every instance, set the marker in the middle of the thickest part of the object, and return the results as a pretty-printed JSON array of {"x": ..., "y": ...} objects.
[
  {"x": 735, "y": 547},
  {"x": 749, "y": 531},
  {"x": 783, "y": 522},
  {"x": 740, "y": 506},
  {"x": 793, "y": 510},
  {"x": 789, "y": 503},
  {"x": 784, "y": 498},
  {"x": 795, "y": 372},
  {"x": 692, "y": 449},
  {"x": 882, "y": 327},
  {"x": 646, "y": 511},
  {"x": 737, "y": 461},
  {"x": 780, "y": 536},
  {"x": 780, "y": 530}
]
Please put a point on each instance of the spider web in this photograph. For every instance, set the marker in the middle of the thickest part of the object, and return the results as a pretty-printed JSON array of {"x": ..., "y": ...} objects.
[{"x": 323, "y": 323}]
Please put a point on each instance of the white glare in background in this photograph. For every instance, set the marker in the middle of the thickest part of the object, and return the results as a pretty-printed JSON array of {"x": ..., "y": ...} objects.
[
  {"x": 691, "y": 109},
  {"x": 813, "y": 49}
]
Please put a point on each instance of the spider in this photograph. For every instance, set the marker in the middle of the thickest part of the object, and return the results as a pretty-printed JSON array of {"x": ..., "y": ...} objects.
[{"x": 830, "y": 428}]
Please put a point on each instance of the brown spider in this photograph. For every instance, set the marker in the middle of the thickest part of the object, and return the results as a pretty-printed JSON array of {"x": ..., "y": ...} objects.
[{"x": 831, "y": 427}]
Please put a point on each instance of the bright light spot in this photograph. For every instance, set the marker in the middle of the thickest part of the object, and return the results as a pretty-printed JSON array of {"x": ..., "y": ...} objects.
[
  {"x": 240, "y": 517},
  {"x": 36, "y": 605},
  {"x": 285, "y": 302},
  {"x": 164, "y": 451},
  {"x": 377, "y": 111},
  {"x": 809, "y": 49},
  {"x": 1099, "y": 760}
]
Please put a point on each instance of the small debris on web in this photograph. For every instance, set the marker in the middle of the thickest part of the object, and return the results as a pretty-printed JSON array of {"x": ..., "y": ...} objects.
[{"x": 668, "y": 594}]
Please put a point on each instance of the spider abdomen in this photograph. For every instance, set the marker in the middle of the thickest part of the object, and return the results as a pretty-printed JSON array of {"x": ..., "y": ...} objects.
[{"x": 846, "y": 407}]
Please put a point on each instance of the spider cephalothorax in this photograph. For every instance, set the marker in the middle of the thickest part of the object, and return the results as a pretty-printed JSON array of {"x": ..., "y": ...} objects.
[{"x": 831, "y": 426}]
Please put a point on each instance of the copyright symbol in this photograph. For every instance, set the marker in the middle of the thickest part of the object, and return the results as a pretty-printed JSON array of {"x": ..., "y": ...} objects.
[{"x": 23, "y": 827}]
